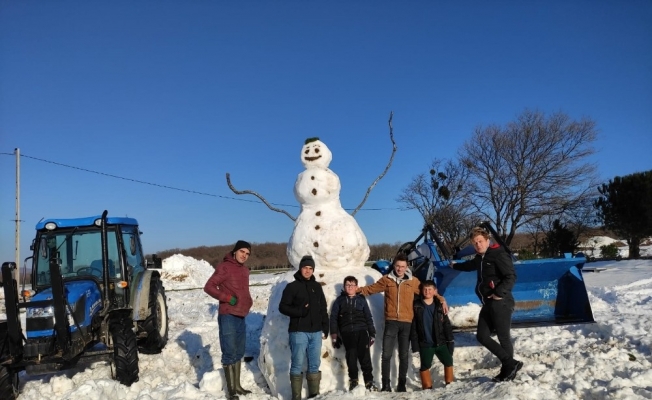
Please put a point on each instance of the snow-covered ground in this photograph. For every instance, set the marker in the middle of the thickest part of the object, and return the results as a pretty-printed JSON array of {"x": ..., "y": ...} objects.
[{"x": 610, "y": 359}]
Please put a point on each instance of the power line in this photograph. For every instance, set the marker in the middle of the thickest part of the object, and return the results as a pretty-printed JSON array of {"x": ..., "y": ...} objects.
[{"x": 166, "y": 186}]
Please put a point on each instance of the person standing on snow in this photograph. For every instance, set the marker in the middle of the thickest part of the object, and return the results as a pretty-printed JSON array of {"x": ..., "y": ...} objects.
[
  {"x": 353, "y": 325},
  {"x": 432, "y": 334},
  {"x": 230, "y": 285},
  {"x": 399, "y": 287},
  {"x": 496, "y": 278},
  {"x": 304, "y": 302}
]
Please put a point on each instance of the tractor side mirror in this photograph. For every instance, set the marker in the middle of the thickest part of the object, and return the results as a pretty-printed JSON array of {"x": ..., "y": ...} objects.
[{"x": 155, "y": 263}]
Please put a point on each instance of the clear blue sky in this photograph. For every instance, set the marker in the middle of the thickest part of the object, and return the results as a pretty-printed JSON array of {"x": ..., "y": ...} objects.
[{"x": 179, "y": 93}]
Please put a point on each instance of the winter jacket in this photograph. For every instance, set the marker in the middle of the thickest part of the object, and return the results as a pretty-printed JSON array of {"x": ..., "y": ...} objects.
[
  {"x": 296, "y": 295},
  {"x": 495, "y": 271},
  {"x": 399, "y": 295},
  {"x": 442, "y": 330},
  {"x": 230, "y": 279},
  {"x": 351, "y": 314}
]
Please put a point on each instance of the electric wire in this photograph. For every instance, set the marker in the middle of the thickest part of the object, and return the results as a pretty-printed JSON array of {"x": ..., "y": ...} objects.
[{"x": 169, "y": 187}]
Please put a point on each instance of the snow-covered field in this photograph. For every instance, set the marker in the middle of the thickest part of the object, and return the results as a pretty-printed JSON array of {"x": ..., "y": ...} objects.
[{"x": 610, "y": 359}]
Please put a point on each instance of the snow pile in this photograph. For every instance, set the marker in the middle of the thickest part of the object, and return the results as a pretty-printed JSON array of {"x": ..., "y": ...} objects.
[
  {"x": 182, "y": 272},
  {"x": 610, "y": 359}
]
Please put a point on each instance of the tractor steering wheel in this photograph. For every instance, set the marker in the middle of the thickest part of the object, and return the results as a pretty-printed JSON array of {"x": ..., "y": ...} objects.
[{"x": 89, "y": 271}]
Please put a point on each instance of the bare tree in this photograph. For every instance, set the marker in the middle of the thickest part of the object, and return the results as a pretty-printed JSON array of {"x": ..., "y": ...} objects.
[
  {"x": 534, "y": 166},
  {"x": 439, "y": 197}
]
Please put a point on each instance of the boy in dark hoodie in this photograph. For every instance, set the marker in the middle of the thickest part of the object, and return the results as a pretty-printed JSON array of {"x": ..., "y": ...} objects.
[
  {"x": 432, "y": 334},
  {"x": 351, "y": 323}
]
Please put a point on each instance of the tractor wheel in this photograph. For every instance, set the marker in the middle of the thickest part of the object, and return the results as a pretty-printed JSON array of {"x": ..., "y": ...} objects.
[
  {"x": 156, "y": 324},
  {"x": 8, "y": 383},
  {"x": 125, "y": 351}
]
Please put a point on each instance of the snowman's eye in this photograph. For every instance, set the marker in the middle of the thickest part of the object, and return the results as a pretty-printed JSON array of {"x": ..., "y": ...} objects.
[
  {"x": 317, "y": 150},
  {"x": 307, "y": 151}
]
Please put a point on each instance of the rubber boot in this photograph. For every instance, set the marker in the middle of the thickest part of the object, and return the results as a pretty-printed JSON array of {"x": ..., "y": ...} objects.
[
  {"x": 448, "y": 374},
  {"x": 426, "y": 379},
  {"x": 313, "y": 384},
  {"x": 229, "y": 374},
  {"x": 296, "y": 383},
  {"x": 238, "y": 388}
]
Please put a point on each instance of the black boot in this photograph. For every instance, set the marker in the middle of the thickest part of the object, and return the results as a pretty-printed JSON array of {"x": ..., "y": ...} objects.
[
  {"x": 229, "y": 374},
  {"x": 296, "y": 383},
  {"x": 401, "y": 385},
  {"x": 369, "y": 385},
  {"x": 508, "y": 371},
  {"x": 313, "y": 384},
  {"x": 385, "y": 386},
  {"x": 239, "y": 389},
  {"x": 353, "y": 383}
]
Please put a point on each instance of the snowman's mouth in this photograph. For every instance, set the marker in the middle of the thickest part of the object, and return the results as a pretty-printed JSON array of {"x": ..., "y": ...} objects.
[{"x": 312, "y": 158}]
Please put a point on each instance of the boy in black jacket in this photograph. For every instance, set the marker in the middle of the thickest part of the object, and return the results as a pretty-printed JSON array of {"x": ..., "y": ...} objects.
[
  {"x": 304, "y": 302},
  {"x": 353, "y": 325},
  {"x": 432, "y": 334}
]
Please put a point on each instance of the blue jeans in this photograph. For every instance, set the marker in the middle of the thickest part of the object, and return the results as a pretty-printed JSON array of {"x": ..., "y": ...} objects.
[
  {"x": 233, "y": 333},
  {"x": 304, "y": 344}
]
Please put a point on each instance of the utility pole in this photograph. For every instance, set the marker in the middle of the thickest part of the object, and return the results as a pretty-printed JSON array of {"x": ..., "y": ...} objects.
[{"x": 17, "y": 152}]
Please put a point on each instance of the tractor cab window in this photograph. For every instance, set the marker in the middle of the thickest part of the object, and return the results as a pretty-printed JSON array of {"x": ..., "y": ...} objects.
[
  {"x": 133, "y": 250},
  {"x": 78, "y": 254}
]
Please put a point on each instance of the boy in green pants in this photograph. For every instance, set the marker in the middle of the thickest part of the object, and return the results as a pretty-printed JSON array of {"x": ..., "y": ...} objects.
[{"x": 432, "y": 334}]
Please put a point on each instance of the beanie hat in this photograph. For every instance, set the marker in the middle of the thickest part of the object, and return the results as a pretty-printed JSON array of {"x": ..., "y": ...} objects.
[
  {"x": 241, "y": 244},
  {"x": 307, "y": 261}
]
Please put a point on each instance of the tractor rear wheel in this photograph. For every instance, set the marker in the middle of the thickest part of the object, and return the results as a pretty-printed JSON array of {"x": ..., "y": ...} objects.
[
  {"x": 8, "y": 383},
  {"x": 156, "y": 324},
  {"x": 125, "y": 350}
]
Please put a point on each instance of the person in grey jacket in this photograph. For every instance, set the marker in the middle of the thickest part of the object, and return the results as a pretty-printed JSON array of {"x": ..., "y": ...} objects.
[{"x": 353, "y": 326}]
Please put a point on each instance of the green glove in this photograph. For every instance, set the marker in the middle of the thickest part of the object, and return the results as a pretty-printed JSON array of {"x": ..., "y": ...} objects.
[{"x": 233, "y": 300}]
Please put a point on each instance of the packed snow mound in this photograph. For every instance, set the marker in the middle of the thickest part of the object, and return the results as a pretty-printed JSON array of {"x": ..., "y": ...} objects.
[{"x": 183, "y": 272}]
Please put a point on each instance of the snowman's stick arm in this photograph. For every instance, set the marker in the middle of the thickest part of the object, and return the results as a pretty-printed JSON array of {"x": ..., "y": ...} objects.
[
  {"x": 228, "y": 181},
  {"x": 389, "y": 164}
]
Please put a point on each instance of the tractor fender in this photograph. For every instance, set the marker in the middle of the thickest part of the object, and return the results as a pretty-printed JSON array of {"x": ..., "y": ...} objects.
[{"x": 140, "y": 296}]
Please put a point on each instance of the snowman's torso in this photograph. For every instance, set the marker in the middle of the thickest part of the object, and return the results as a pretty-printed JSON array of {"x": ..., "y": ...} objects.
[{"x": 324, "y": 229}]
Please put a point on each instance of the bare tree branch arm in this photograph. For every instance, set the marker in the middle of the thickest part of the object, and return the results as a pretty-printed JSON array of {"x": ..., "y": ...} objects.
[
  {"x": 228, "y": 181},
  {"x": 389, "y": 164}
]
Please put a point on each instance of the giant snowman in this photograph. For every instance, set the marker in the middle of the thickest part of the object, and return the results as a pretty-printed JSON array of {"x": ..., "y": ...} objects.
[{"x": 326, "y": 231}]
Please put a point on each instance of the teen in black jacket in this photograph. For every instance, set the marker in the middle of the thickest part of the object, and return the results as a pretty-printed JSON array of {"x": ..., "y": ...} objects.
[{"x": 496, "y": 278}]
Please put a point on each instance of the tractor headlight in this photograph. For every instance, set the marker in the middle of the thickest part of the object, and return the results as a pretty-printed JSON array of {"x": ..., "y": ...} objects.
[
  {"x": 40, "y": 312},
  {"x": 50, "y": 226}
]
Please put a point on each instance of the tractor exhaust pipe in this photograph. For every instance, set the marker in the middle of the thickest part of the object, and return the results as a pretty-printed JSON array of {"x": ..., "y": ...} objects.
[{"x": 105, "y": 262}]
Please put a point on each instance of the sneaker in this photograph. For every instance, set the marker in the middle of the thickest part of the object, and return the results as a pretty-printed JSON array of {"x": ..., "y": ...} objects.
[
  {"x": 370, "y": 386},
  {"x": 353, "y": 384}
]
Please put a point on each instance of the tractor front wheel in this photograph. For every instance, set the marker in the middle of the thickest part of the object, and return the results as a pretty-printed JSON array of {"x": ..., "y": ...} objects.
[
  {"x": 125, "y": 350},
  {"x": 155, "y": 325}
]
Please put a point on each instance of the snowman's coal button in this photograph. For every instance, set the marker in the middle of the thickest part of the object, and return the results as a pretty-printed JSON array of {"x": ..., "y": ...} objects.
[
  {"x": 312, "y": 177},
  {"x": 314, "y": 191},
  {"x": 318, "y": 213},
  {"x": 317, "y": 227},
  {"x": 316, "y": 244}
]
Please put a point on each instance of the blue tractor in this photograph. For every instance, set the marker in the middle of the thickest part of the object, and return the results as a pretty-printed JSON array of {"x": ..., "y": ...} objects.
[
  {"x": 93, "y": 297},
  {"x": 547, "y": 291}
]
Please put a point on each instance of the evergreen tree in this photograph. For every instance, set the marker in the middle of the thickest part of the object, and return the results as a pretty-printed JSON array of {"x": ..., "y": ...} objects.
[{"x": 624, "y": 207}]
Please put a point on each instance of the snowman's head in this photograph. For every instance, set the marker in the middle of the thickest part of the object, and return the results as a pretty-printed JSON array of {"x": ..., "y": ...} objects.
[{"x": 315, "y": 154}]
